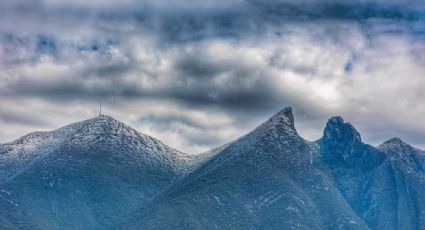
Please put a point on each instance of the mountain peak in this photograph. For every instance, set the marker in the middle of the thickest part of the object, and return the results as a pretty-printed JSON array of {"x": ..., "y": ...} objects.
[
  {"x": 336, "y": 119},
  {"x": 395, "y": 140},
  {"x": 394, "y": 143},
  {"x": 284, "y": 117},
  {"x": 104, "y": 126},
  {"x": 104, "y": 118},
  {"x": 339, "y": 131},
  {"x": 104, "y": 121}
]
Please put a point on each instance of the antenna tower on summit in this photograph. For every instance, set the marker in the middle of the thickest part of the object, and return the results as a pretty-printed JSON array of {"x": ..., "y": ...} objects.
[{"x": 100, "y": 108}]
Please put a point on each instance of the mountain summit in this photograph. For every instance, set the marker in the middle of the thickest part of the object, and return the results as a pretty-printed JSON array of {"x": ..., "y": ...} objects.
[
  {"x": 101, "y": 173},
  {"x": 338, "y": 131},
  {"x": 87, "y": 175},
  {"x": 284, "y": 117},
  {"x": 95, "y": 135}
]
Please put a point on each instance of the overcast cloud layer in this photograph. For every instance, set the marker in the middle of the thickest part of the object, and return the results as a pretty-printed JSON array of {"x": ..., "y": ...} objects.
[{"x": 197, "y": 74}]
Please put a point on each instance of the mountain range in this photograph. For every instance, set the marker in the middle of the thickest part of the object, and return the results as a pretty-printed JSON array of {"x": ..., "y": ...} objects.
[{"x": 102, "y": 174}]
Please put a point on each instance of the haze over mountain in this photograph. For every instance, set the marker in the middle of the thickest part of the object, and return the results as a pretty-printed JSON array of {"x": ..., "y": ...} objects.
[{"x": 102, "y": 174}]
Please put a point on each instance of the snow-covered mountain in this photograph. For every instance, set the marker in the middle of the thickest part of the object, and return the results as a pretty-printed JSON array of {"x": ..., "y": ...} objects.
[
  {"x": 271, "y": 178},
  {"x": 101, "y": 174},
  {"x": 86, "y": 175},
  {"x": 264, "y": 180}
]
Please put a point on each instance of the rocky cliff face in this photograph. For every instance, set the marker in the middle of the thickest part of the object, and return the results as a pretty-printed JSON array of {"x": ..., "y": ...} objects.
[{"x": 374, "y": 181}]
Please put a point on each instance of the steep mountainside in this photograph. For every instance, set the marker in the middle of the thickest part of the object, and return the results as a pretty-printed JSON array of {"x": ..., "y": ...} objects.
[
  {"x": 84, "y": 176},
  {"x": 264, "y": 180},
  {"x": 384, "y": 186},
  {"x": 102, "y": 174}
]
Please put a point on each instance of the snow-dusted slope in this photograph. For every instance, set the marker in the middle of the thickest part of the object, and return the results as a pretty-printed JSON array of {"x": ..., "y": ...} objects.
[
  {"x": 264, "y": 180},
  {"x": 19, "y": 154},
  {"x": 86, "y": 175},
  {"x": 405, "y": 155},
  {"x": 407, "y": 165},
  {"x": 101, "y": 174},
  {"x": 273, "y": 179}
]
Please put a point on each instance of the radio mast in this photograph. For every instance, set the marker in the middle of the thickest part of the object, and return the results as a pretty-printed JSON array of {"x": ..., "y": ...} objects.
[{"x": 100, "y": 108}]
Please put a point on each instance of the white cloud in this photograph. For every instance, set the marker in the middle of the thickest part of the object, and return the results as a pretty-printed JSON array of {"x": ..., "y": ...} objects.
[{"x": 199, "y": 93}]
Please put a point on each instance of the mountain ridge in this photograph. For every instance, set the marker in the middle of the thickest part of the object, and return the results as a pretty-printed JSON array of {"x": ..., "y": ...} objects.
[
  {"x": 85, "y": 175},
  {"x": 83, "y": 133},
  {"x": 269, "y": 178}
]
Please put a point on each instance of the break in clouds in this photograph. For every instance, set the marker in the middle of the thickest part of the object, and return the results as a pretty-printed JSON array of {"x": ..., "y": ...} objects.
[{"x": 197, "y": 73}]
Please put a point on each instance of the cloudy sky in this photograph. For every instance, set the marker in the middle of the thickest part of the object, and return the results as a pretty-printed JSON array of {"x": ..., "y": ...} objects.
[{"x": 197, "y": 74}]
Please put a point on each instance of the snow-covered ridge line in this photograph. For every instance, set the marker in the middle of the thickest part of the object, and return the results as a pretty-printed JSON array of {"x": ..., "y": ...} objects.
[
  {"x": 18, "y": 155},
  {"x": 270, "y": 178}
]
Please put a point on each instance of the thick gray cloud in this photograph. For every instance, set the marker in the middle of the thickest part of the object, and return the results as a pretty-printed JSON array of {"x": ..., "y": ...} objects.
[{"x": 197, "y": 74}]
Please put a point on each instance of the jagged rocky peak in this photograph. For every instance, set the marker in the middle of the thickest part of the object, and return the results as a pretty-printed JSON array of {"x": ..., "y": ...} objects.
[
  {"x": 284, "y": 117},
  {"x": 341, "y": 146},
  {"x": 339, "y": 131}
]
